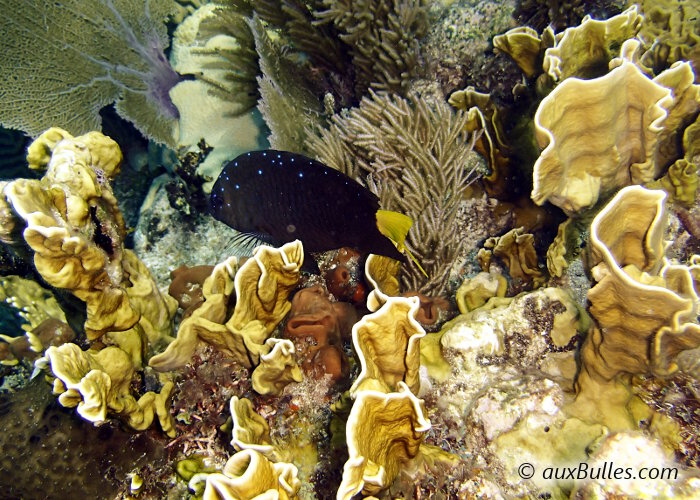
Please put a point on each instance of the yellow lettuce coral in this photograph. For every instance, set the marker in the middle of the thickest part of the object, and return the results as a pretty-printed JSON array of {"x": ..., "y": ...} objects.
[
  {"x": 517, "y": 249},
  {"x": 484, "y": 115},
  {"x": 670, "y": 32},
  {"x": 524, "y": 46},
  {"x": 75, "y": 228},
  {"x": 99, "y": 382},
  {"x": 645, "y": 307},
  {"x": 680, "y": 182},
  {"x": 206, "y": 323},
  {"x": 475, "y": 292},
  {"x": 384, "y": 431},
  {"x": 633, "y": 137},
  {"x": 250, "y": 431},
  {"x": 584, "y": 50},
  {"x": 248, "y": 475},
  {"x": 620, "y": 116},
  {"x": 556, "y": 253},
  {"x": 388, "y": 345},
  {"x": 277, "y": 368},
  {"x": 34, "y": 303},
  {"x": 387, "y": 341},
  {"x": 261, "y": 285}
]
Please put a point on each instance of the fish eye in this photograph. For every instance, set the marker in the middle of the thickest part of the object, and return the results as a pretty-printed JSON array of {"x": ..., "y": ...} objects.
[{"x": 291, "y": 228}]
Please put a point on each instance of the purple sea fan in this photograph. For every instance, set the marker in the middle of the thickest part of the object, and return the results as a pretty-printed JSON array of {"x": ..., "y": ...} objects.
[{"x": 64, "y": 61}]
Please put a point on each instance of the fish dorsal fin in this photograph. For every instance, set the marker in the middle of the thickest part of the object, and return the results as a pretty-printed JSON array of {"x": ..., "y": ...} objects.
[{"x": 395, "y": 226}]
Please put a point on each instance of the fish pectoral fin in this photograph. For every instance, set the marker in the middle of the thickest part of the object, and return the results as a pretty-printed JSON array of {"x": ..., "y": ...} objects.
[{"x": 242, "y": 244}]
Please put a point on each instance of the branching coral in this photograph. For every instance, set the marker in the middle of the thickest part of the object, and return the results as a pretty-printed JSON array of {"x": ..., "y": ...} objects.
[
  {"x": 64, "y": 61},
  {"x": 414, "y": 155},
  {"x": 383, "y": 37}
]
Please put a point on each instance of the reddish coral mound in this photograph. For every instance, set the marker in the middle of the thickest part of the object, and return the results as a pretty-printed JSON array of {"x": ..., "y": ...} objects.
[
  {"x": 50, "y": 332},
  {"x": 317, "y": 327},
  {"x": 432, "y": 311},
  {"x": 344, "y": 277},
  {"x": 186, "y": 286}
]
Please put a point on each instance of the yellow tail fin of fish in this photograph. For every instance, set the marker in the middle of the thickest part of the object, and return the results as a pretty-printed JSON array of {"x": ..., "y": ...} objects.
[{"x": 395, "y": 226}]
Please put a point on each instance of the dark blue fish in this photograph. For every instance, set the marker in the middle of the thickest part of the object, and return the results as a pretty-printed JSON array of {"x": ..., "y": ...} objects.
[{"x": 276, "y": 197}]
